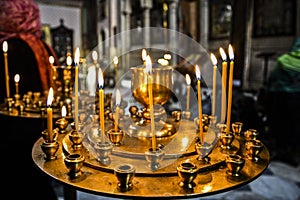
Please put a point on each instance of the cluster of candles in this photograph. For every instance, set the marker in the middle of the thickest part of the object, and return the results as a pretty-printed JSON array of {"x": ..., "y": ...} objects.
[{"x": 224, "y": 82}]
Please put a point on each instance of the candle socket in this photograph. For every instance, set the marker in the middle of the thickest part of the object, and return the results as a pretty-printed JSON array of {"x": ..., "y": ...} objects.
[
  {"x": 234, "y": 164},
  {"x": 203, "y": 151},
  {"x": 221, "y": 127},
  {"x": 125, "y": 174},
  {"x": 76, "y": 139},
  {"x": 74, "y": 163},
  {"x": 9, "y": 104},
  {"x": 154, "y": 157},
  {"x": 226, "y": 140},
  {"x": 186, "y": 114},
  {"x": 187, "y": 172},
  {"x": 237, "y": 128},
  {"x": 103, "y": 152},
  {"x": 47, "y": 139},
  {"x": 62, "y": 124},
  {"x": 253, "y": 148},
  {"x": 115, "y": 136},
  {"x": 50, "y": 150}
]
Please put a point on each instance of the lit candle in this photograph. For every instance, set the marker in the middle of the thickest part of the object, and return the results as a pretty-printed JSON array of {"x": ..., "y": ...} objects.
[
  {"x": 231, "y": 56},
  {"x": 5, "y": 48},
  {"x": 144, "y": 56},
  {"x": 101, "y": 103},
  {"x": 95, "y": 57},
  {"x": 69, "y": 61},
  {"x": 76, "y": 61},
  {"x": 224, "y": 83},
  {"x": 198, "y": 76},
  {"x": 51, "y": 61},
  {"x": 118, "y": 101},
  {"x": 150, "y": 93},
  {"x": 213, "y": 104},
  {"x": 188, "y": 89},
  {"x": 49, "y": 115},
  {"x": 17, "y": 79},
  {"x": 116, "y": 61}
]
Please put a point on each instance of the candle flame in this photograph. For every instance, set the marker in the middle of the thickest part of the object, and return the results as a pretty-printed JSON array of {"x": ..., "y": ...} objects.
[
  {"x": 95, "y": 55},
  {"x": 148, "y": 65},
  {"x": 77, "y": 56},
  {"x": 230, "y": 52},
  {"x": 118, "y": 97},
  {"x": 144, "y": 54},
  {"x": 223, "y": 54},
  {"x": 213, "y": 59},
  {"x": 100, "y": 78},
  {"x": 69, "y": 60},
  {"x": 5, "y": 46},
  {"x": 50, "y": 97},
  {"x": 63, "y": 111},
  {"x": 188, "y": 79},
  {"x": 167, "y": 56},
  {"x": 51, "y": 60},
  {"x": 198, "y": 73},
  {"x": 116, "y": 61},
  {"x": 17, "y": 78}
]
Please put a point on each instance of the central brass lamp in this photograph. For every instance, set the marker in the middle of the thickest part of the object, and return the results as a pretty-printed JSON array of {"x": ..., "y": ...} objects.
[{"x": 162, "y": 90}]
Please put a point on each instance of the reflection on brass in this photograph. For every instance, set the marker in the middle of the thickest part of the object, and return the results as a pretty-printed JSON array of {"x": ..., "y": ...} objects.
[
  {"x": 234, "y": 163},
  {"x": 187, "y": 172},
  {"x": 103, "y": 151},
  {"x": 125, "y": 174},
  {"x": 74, "y": 163},
  {"x": 237, "y": 128},
  {"x": 254, "y": 148},
  {"x": 226, "y": 140},
  {"x": 154, "y": 157},
  {"x": 50, "y": 149},
  {"x": 115, "y": 136}
]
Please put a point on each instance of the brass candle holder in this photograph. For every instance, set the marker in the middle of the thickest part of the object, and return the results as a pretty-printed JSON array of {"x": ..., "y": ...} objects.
[
  {"x": 186, "y": 115},
  {"x": 9, "y": 104},
  {"x": 203, "y": 150},
  {"x": 251, "y": 134},
  {"x": 74, "y": 163},
  {"x": 253, "y": 148},
  {"x": 125, "y": 174},
  {"x": 226, "y": 140},
  {"x": 103, "y": 151},
  {"x": 50, "y": 149},
  {"x": 154, "y": 157},
  {"x": 45, "y": 135},
  {"x": 115, "y": 136},
  {"x": 62, "y": 124},
  {"x": 76, "y": 139},
  {"x": 187, "y": 172},
  {"x": 235, "y": 164},
  {"x": 237, "y": 128}
]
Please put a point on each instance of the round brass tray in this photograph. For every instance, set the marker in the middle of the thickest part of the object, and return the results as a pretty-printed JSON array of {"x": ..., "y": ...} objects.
[{"x": 99, "y": 179}]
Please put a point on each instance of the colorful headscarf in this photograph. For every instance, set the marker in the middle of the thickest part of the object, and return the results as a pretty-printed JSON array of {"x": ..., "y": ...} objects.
[{"x": 20, "y": 16}]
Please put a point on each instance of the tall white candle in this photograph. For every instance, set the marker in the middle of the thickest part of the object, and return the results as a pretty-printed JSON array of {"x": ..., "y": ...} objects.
[{"x": 188, "y": 91}]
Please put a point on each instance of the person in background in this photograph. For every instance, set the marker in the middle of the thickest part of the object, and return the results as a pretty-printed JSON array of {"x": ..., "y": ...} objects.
[
  {"x": 28, "y": 56},
  {"x": 283, "y": 105}
]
